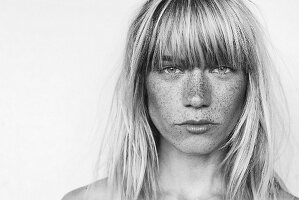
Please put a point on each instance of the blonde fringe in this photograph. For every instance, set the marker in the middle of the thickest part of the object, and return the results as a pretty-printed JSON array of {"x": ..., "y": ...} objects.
[{"x": 132, "y": 152}]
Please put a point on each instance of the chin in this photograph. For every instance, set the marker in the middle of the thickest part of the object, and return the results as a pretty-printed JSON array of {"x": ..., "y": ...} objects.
[
  {"x": 197, "y": 151},
  {"x": 198, "y": 146}
]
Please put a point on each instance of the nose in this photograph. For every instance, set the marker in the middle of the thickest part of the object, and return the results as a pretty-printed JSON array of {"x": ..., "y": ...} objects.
[{"x": 197, "y": 91}]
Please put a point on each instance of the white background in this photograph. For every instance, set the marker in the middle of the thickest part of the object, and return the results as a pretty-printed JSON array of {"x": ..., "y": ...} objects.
[{"x": 57, "y": 67}]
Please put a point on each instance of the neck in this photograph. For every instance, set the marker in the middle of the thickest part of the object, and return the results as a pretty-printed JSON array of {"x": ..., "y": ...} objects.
[{"x": 189, "y": 175}]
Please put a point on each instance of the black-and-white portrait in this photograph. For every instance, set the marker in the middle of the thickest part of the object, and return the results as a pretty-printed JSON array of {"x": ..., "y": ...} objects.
[{"x": 149, "y": 100}]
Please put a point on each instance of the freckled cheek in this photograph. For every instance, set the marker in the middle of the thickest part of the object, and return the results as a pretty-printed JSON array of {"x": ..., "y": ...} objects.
[
  {"x": 229, "y": 101},
  {"x": 161, "y": 101}
]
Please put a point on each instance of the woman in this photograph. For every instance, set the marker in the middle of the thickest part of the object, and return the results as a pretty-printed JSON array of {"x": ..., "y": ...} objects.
[{"x": 194, "y": 115}]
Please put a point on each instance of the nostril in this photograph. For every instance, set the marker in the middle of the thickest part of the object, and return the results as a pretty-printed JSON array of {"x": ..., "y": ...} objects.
[
  {"x": 197, "y": 99},
  {"x": 197, "y": 102}
]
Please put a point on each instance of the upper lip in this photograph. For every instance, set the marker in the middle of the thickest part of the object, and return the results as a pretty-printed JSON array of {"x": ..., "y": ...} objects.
[{"x": 197, "y": 122}]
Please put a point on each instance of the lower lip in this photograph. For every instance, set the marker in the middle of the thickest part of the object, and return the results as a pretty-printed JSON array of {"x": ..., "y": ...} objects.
[{"x": 198, "y": 129}]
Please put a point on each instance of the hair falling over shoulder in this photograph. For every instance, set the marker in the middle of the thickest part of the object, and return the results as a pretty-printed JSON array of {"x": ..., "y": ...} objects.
[{"x": 202, "y": 30}]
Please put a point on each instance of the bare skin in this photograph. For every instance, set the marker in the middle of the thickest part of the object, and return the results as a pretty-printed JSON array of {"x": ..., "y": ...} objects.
[
  {"x": 177, "y": 95},
  {"x": 100, "y": 193},
  {"x": 186, "y": 177}
]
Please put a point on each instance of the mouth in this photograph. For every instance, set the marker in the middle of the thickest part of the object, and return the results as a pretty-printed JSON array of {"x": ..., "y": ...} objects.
[{"x": 198, "y": 127}]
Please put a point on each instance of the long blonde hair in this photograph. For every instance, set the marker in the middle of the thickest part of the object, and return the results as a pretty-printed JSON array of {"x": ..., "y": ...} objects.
[{"x": 205, "y": 31}]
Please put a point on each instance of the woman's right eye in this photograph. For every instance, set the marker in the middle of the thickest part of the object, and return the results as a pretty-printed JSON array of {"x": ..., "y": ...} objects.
[{"x": 171, "y": 70}]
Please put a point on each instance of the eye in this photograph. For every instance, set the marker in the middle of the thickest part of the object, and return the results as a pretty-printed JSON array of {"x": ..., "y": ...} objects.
[
  {"x": 221, "y": 69},
  {"x": 171, "y": 70}
]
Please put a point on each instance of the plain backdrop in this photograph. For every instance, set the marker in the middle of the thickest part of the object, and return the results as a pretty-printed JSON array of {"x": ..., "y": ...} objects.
[{"x": 58, "y": 61}]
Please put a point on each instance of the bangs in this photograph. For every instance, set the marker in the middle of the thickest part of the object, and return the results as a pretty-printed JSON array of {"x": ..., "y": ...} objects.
[{"x": 202, "y": 34}]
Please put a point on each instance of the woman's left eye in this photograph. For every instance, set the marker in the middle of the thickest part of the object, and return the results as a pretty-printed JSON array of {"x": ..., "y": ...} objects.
[{"x": 222, "y": 69}]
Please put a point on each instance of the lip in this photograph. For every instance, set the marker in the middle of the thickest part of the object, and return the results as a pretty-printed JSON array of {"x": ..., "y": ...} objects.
[
  {"x": 197, "y": 122},
  {"x": 198, "y": 127}
]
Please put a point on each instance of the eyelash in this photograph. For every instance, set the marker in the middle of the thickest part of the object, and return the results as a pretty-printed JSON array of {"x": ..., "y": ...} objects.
[
  {"x": 178, "y": 71},
  {"x": 222, "y": 66},
  {"x": 213, "y": 70}
]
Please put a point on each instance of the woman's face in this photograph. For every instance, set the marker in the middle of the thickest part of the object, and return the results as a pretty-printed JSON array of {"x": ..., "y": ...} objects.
[{"x": 195, "y": 109}]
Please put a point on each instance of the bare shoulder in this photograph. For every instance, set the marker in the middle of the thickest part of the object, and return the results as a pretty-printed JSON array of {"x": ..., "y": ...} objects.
[
  {"x": 97, "y": 190},
  {"x": 283, "y": 195}
]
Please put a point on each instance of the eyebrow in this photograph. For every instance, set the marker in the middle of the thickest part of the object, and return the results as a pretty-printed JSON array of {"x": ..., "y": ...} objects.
[
  {"x": 167, "y": 58},
  {"x": 171, "y": 59},
  {"x": 176, "y": 61}
]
